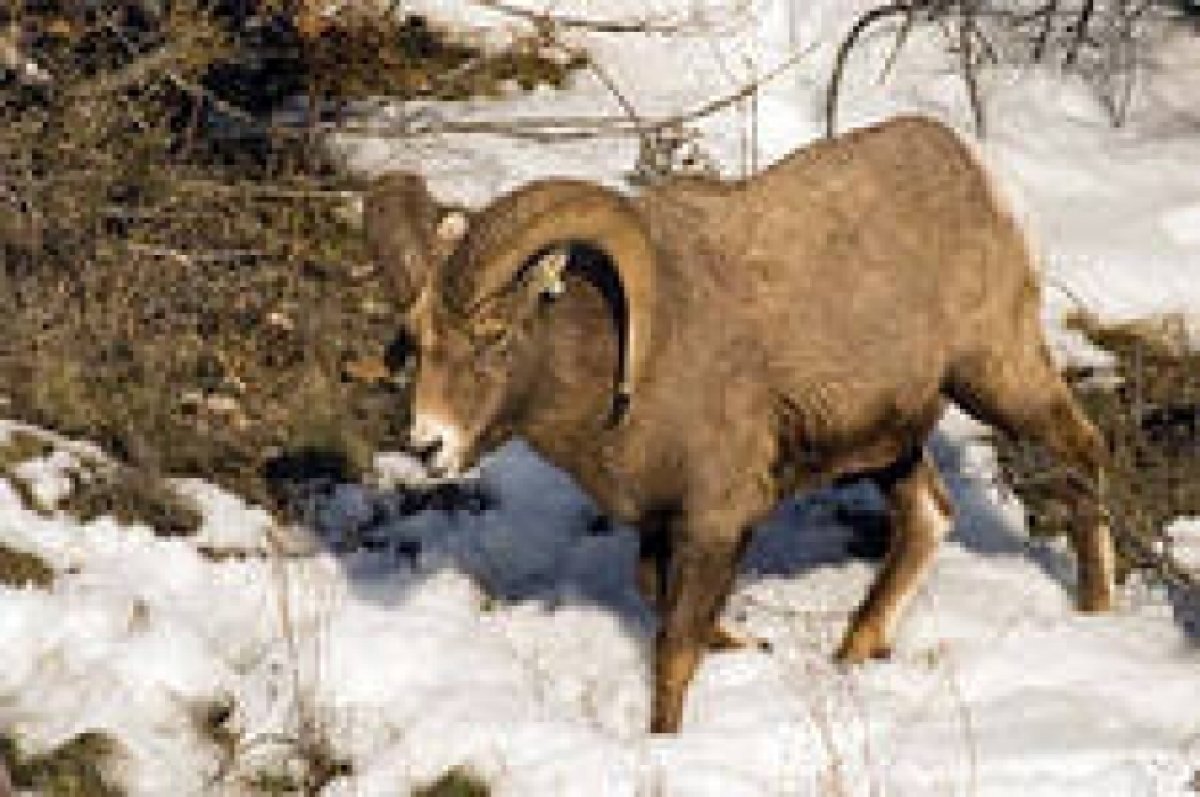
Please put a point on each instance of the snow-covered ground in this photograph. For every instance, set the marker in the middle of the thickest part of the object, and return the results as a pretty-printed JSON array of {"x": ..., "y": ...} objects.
[{"x": 512, "y": 641}]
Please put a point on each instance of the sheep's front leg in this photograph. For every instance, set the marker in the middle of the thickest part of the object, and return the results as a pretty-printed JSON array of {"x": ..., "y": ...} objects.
[
  {"x": 654, "y": 557},
  {"x": 703, "y": 564},
  {"x": 921, "y": 515},
  {"x": 653, "y": 570}
]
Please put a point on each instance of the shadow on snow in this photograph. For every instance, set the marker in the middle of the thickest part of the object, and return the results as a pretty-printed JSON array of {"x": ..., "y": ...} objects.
[{"x": 524, "y": 532}]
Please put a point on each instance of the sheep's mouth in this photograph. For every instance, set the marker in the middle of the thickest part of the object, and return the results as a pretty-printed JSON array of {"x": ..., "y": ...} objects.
[{"x": 457, "y": 463}]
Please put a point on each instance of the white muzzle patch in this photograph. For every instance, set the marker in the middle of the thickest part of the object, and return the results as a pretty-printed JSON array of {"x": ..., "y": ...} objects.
[{"x": 444, "y": 442}]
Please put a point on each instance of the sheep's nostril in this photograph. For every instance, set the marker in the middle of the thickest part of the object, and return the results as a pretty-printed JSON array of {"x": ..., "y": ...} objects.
[
  {"x": 434, "y": 443},
  {"x": 425, "y": 450}
]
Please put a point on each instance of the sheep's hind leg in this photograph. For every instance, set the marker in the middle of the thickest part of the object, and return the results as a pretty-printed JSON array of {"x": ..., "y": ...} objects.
[
  {"x": 1071, "y": 438},
  {"x": 1024, "y": 396},
  {"x": 921, "y": 514}
]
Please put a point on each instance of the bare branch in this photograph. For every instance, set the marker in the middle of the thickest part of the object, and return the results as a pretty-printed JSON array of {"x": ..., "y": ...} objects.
[
  {"x": 549, "y": 129},
  {"x": 545, "y": 21},
  {"x": 860, "y": 27}
]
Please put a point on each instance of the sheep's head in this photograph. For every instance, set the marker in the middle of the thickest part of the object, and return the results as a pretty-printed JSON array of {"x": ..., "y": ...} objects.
[
  {"x": 480, "y": 322},
  {"x": 476, "y": 368}
]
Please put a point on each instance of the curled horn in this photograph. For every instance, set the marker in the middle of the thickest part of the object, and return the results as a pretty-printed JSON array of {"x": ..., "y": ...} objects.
[{"x": 545, "y": 219}]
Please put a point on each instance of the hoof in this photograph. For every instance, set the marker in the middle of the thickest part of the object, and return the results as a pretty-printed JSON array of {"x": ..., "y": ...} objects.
[
  {"x": 723, "y": 638},
  {"x": 1095, "y": 601},
  {"x": 862, "y": 644},
  {"x": 665, "y": 722}
]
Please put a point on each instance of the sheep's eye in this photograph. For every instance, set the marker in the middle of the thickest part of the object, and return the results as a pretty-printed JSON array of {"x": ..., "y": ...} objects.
[
  {"x": 495, "y": 340},
  {"x": 401, "y": 353},
  {"x": 490, "y": 335}
]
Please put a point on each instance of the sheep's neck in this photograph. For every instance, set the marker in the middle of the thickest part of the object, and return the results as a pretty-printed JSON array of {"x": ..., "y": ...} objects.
[{"x": 572, "y": 401}]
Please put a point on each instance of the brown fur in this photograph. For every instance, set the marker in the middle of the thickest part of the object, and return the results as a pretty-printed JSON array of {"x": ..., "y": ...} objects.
[{"x": 804, "y": 325}]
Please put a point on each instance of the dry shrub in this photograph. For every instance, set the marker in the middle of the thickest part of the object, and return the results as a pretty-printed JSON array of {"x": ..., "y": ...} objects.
[
  {"x": 181, "y": 279},
  {"x": 1148, "y": 409},
  {"x": 131, "y": 495},
  {"x": 1104, "y": 43}
]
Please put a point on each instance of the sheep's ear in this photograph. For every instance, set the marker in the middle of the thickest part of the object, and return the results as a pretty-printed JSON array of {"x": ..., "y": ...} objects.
[
  {"x": 400, "y": 218},
  {"x": 452, "y": 227},
  {"x": 547, "y": 275}
]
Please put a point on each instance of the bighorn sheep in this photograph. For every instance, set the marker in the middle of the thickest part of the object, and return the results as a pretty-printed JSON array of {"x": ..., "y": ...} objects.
[{"x": 693, "y": 354}]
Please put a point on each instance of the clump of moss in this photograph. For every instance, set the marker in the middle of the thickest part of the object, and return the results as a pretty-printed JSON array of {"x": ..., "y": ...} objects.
[
  {"x": 457, "y": 782},
  {"x": 76, "y": 768},
  {"x": 20, "y": 569},
  {"x": 1148, "y": 409}
]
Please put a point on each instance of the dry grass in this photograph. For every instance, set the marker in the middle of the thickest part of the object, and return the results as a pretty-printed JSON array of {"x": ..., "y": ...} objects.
[
  {"x": 308, "y": 767},
  {"x": 131, "y": 495},
  {"x": 19, "y": 448},
  {"x": 1148, "y": 408}
]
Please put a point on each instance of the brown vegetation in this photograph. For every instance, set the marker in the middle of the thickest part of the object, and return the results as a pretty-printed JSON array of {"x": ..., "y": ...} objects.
[
  {"x": 182, "y": 278},
  {"x": 1148, "y": 408}
]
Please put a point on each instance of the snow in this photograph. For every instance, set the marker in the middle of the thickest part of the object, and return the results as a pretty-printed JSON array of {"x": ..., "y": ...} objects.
[
  {"x": 511, "y": 640},
  {"x": 1184, "y": 535}
]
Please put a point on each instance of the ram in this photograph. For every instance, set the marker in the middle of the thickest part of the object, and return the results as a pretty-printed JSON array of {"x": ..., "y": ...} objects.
[{"x": 695, "y": 353}]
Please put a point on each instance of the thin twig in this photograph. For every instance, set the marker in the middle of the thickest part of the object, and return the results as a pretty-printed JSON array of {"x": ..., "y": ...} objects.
[
  {"x": 966, "y": 45},
  {"x": 610, "y": 84},
  {"x": 544, "y": 20},
  {"x": 1081, "y": 30},
  {"x": 843, "y": 55},
  {"x": 548, "y": 129},
  {"x": 1048, "y": 13},
  {"x": 901, "y": 38}
]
